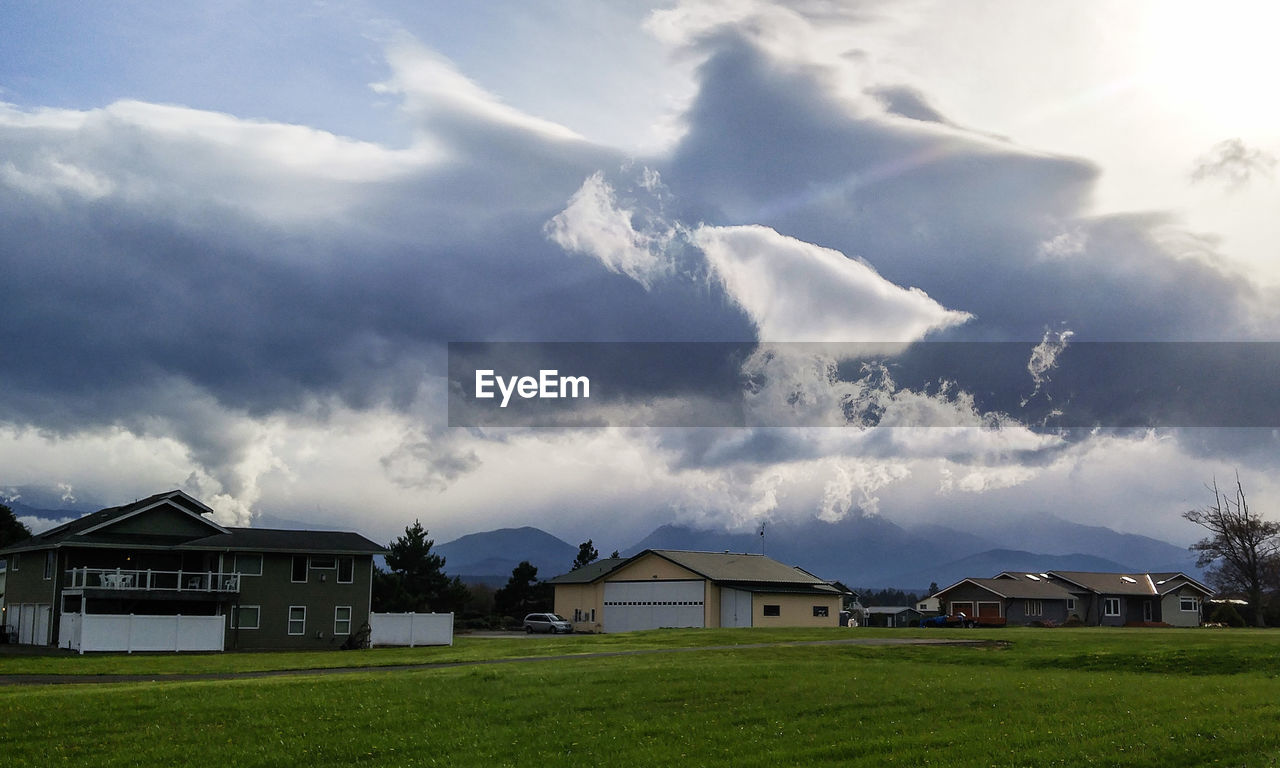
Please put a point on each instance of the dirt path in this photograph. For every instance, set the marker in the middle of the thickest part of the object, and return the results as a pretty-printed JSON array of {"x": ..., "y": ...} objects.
[{"x": 183, "y": 678}]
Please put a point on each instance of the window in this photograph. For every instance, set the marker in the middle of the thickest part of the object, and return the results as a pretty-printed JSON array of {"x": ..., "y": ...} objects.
[
  {"x": 327, "y": 562},
  {"x": 3, "y": 564},
  {"x": 13, "y": 562},
  {"x": 820, "y": 611},
  {"x": 1188, "y": 603},
  {"x": 342, "y": 620},
  {"x": 299, "y": 568},
  {"x": 1071, "y": 604},
  {"x": 246, "y": 617},
  {"x": 49, "y": 559},
  {"x": 1033, "y": 608},
  {"x": 297, "y": 619},
  {"x": 346, "y": 570},
  {"x": 248, "y": 565},
  {"x": 773, "y": 610},
  {"x": 1111, "y": 606}
]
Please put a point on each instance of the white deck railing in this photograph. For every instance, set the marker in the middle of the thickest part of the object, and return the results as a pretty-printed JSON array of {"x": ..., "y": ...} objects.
[{"x": 149, "y": 580}]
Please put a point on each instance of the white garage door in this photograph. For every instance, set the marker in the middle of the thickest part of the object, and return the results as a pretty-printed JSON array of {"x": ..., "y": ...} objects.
[{"x": 632, "y": 605}]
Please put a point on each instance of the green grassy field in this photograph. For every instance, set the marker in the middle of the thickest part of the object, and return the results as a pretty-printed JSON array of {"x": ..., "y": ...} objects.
[{"x": 1042, "y": 697}]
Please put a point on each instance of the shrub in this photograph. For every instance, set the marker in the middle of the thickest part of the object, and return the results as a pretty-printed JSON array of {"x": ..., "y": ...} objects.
[{"x": 1226, "y": 613}]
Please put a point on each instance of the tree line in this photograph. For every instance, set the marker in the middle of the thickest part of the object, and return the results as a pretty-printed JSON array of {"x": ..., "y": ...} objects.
[{"x": 415, "y": 581}]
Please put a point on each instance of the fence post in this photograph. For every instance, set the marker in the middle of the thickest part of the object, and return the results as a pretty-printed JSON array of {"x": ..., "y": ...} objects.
[{"x": 128, "y": 642}]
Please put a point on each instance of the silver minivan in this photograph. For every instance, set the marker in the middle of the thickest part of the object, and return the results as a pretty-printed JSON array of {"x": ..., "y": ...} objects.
[{"x": 546, "y": 622}]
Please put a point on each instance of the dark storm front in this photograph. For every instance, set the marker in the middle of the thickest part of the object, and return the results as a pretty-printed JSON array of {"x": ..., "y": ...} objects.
[{"x": 1122, "y": 385}]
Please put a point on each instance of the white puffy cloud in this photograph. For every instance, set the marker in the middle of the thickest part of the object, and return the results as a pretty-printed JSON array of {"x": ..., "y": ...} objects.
[
  {"x": 798, "y": 291},
  {"x": 593, "y": 223}
]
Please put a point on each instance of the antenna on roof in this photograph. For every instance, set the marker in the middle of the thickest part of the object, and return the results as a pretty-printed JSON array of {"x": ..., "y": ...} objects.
[{"x": 762, "y": 525}]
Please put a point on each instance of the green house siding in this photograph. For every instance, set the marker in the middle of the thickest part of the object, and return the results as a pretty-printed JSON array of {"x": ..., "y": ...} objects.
[
  {"x": 163, "y": 520},
  {"x": 274, "y": 592},
  {"x": 176, "y": 561},
  {"x": 26, "y": 585}
]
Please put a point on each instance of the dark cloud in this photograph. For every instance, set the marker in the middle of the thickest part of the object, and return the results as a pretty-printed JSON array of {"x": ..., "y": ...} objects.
[
  {"x": 970, "y": 220},
  {"x": 169, "y": 271}
]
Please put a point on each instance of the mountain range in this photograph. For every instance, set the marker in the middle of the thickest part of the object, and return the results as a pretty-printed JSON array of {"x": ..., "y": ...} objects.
[{"x": 863, "y": 551}]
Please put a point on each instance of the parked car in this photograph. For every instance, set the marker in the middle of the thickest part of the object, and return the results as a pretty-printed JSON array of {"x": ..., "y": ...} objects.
[{"x": 546, "y": 622}]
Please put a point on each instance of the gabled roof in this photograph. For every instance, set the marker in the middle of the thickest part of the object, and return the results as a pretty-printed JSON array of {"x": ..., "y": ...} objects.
[
  {"x": 95, "y": 529},
  {"x": 1168, "y": 582},
  {"x": 1109, "y": 583},
  {"x": 1028, "y": 584},
  {"x": 737, "y": 567},
  {"x": 1011, "y": 587},
  {"x": 589, "y": 572},
  {"x": 753, "y": 573}
]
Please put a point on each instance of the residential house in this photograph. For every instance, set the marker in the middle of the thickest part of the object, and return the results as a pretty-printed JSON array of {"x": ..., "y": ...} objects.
[
  {"x": 1101, "y": 599},
  {"x": 1117, "y": 599},
  {"x": 160, "y": 574},
  {"x": 676, "y": 588},
  {"x": 1017, "y": 598}
]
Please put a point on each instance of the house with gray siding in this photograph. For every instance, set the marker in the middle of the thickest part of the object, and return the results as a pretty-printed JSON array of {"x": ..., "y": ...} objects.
[
  {"x": 1098, "y": 599},
  {"x": 1018, "y": 599},
  {"x": 1117, "y": 599},
  {"x": 160, "y": 574}
]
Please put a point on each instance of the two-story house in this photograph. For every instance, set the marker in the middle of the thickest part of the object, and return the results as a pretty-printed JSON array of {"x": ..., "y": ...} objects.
[{"x": 160, "y": 574}]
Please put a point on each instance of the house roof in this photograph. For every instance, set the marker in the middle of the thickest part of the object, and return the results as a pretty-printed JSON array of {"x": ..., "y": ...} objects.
[
  {"x": 1168, "y": 582},
  {"x": 737, "y": 567},
  {"x": 1013, "y": 587},
  {"x": 589, "y": 572},
  {"x": 276, "y": 540},
  {"x": 103, "y": 517},
  {"x": 1110, "y": 583},
  {"x": 890, "y": 609},
  {"x": 95, "y": 530},
  {"x": 748, "y": 572}
]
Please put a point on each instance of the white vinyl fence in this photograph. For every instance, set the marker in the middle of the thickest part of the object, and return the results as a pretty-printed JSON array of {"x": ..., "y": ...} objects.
[
  {"x": 410, "y": 629},
  {"x": 129, "y": 633}
]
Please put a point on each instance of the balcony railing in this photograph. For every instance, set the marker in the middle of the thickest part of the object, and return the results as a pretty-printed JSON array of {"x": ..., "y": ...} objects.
[{"x": 149, "y": 580}]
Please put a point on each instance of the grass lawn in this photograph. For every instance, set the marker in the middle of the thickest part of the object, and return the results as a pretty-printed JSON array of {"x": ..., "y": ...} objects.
[
  {"x": 464, "y": 649},
  {"x": 1048, "y": 697}
]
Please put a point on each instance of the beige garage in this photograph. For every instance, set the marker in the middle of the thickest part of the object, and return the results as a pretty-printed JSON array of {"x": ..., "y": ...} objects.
[{"x": 660, "y": 588}]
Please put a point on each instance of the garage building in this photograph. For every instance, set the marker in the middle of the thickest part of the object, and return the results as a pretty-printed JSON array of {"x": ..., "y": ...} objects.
[{"x": 675, "y": 588}]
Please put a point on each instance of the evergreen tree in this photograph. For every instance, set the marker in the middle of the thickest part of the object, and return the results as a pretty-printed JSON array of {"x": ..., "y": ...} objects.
[
  {"x": 11, "y": 528},
  {"x": 416, "y": 580},
  {"x": 586, "y": 554}
]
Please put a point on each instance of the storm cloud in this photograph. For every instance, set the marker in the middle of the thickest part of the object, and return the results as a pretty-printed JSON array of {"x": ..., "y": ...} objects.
[{"x": 258, "y": 294}]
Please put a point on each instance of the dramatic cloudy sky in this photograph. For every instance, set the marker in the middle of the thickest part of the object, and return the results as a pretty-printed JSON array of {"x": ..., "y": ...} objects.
[{"x": 235, "y": 239}]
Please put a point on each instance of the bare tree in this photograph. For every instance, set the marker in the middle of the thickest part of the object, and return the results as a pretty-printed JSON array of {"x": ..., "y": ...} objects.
[{"x": 1242, "y": 550}]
